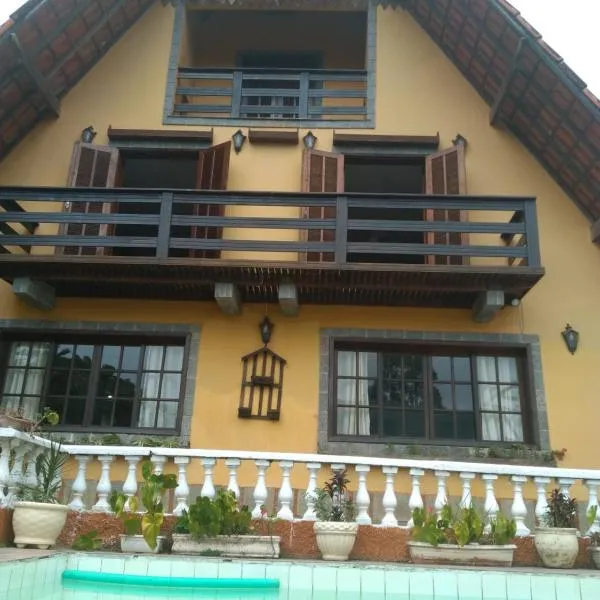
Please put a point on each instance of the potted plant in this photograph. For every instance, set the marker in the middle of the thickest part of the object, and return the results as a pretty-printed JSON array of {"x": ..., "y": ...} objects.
[
  {"x": 594, "y": 547},
  {"x": 142, "y": 529},
  {"x": 219, "y": 527},
  {"x": 38, "y": 518},
  {"x": 335, "y": 527},
  {"x": 461, "y": 539},
  {"x": 556, "y": 538}
]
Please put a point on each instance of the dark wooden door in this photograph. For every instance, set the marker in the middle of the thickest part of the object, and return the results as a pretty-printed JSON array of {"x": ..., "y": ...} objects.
[
  {"x": 92, "y": 166},
  {"x": 445, "y": 174},
  {"x": 321, "y": 172}
]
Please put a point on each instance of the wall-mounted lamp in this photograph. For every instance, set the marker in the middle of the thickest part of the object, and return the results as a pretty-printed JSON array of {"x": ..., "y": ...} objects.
[
  {"x": 239, "y": 139},
  {"x": 266, "y": 330},
  {"x": 571, "y": 337},
  {"x": 310, "y": 140},
  {"x": 88, "y": 135}
]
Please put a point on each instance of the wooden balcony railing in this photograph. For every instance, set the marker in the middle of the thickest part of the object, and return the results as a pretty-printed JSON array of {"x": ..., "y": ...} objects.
[{"x": 272, "y": 94}]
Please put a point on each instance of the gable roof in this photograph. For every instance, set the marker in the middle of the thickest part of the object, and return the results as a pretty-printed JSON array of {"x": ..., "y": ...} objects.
[{"x": 49, "y": 45}]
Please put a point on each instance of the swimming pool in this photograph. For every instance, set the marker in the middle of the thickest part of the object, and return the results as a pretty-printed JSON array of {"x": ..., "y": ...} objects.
[{"x": 40, "y": 579}]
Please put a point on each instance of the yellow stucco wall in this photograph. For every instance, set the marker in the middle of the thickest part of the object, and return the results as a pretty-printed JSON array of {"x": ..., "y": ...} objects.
[{"x": 418, "y": 92}]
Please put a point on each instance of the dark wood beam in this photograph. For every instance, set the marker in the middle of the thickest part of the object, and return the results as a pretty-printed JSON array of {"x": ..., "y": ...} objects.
[
  {"x": 270, "y": 136},
  {"x": 506, "y": 84},
  {"x": 155, "y": 135},
  {"x": 41, "y": 84},
  {"x": 487, "y": 304},
  {"x": 340, "y": 139}
]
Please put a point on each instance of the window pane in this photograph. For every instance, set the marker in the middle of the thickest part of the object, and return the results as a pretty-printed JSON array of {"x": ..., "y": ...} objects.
[
  {"x": 19, "y": 354},
  {"x": 110, "y": 357},
  {"x": 367, "y": 364},
  {"x": 392, "y": 393},
  {"x": 465, "y": 426},
  {"x": 14, "y": 381},
  {"x": 131, "y": 358},
  {"x": 127, "y": 385},
  {"x": 366, "y": 424},
  {"x": 415, "y": 423},
  {"x": 123, "y": 413},
  {"x": 486, "y": 368},
  {"x": 507, "y": 369},
  {"x": 34, "y": 382},
  {"x": 443, "y": 425},
  {"x": 441, "y": 368},
  {"x": 103, "y": 412},
  {"x": 79, "y": 383},
  {"x": 171, "y": 385},
  {"x": 462, "y": 368},
  {"x": 392, "y": 423},
  {"x": 488, "y": 397},
  {"x": 346, "y": 363},
  {"x": 512, "y": 427},
  {"x": 57, "y": 385},
  {"x": 83, "y": 357},
  {"x": 392, "y": 366},
  {"x": 413, "y": 395},
  {"x": 174, "y": 358},
  {"x": 167, "y": 415},
  {"x": 107, "y": 382},
  {"x": 413, "y": 367},
  {"x": 153, "y": 358},
  {"x": 442, "y": 396},
  {"x": 63, "y": 354},
  {"x": 510, "y": 398},
  {"x": 490, "y": 427},
  {"x": 346, "y": 421},
  {"x": 75, "y": 412},
  {"x": 151, "y": 385},
  {"x": 463, "y": 397},
  {"x": 39, "y": 354},
  {"x": 367, "y": 392},
  {"x": 147, "y": 415},
  {"x": 346, "y": 391}
]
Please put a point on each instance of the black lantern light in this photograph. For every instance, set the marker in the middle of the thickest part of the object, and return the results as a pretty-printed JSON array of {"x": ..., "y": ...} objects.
[
  {"x": 571, "y": 337},
  {"x": 310, "y": 140},
  {"x": 238, "y": 140},
  {"x": 266, "y": 330},
  {"x": 88, "y": 135}
]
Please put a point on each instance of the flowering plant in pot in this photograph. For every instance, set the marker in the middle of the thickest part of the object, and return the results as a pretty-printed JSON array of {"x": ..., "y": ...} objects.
[
  {"x": 142, "y": 529},
  {"x": 556, "y": 538},
  {"x": 335, "y": 527}
]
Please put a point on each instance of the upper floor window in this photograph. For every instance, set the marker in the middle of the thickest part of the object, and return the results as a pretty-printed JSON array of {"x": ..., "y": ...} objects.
[
  {"x": 429, "y": 394},
  {"x": 97, "y": 384}
]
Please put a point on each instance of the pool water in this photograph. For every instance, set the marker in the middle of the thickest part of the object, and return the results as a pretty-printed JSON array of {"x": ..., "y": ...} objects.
[{"x": 41, "y": 579}]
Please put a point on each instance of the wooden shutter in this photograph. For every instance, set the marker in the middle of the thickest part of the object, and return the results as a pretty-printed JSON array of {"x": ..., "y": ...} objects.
[
  {"x": 321, "y": 172},
  {"x": 212, "y": 174},
  {"x": 445, "y": 174},
  {"x": 91, "y": 166}
]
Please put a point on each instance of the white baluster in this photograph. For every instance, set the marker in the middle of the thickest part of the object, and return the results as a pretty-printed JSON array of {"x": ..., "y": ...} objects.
[
  {"x": 260, "y": 491},
  {"x": 208, "y": 487},
  {"x": 130, "y": 486},
  {"x": 490, "y": 506},
  {"x": 466, "y": 499},
  {"x": 104, "y": 485},
  {"x": 4, "y": 471},
  {"x": 233, "y": 464},
  {"x": 415, "y": 500},
  {"x": 541, "y": 505},
  {"x": 17, "y": 472},
  {"x": 441, "y": 499},
  {"x": 285, "y": 493},
  {"x": 158, "y": 464},
  {"x": 80, "y": 485},
  {"x": 182, "y": 491},
  {"x": 518, "y": 509},
  {"x": 565, "y": 483},
  {"x": 30, "y": 476},
  {"x": 313, "y": 469},
  {"x": 362, "y": 495},
  {"x": 389, "y": 498},
  {"x": 592, "y": 485}
]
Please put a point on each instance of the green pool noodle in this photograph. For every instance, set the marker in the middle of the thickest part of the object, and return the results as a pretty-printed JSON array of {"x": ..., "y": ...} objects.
[{"x": 171, "y": 582}]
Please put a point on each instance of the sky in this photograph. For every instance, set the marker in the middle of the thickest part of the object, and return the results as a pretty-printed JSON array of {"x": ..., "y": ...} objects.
[{"x": 569, "y": 26}]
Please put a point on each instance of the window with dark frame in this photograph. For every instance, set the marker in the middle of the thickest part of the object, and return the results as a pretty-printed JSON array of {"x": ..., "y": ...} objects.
[
  {"x": 441, "y": 394},
  {"x": 102, "y": 385}
]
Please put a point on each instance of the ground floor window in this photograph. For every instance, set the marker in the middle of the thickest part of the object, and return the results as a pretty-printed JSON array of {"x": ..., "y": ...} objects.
[
  {"x": 431, "y": 393},
  {"x": 97, "y": 383}
]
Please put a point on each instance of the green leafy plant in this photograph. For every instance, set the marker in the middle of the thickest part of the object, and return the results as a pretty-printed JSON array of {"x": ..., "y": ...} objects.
[
  {"x": 48, "y": 470},
  {"x": 591, "y": 518},
  {"x": 182, "y": 524},
  {"x": 561, "y": 511},
  {"x": 467, "y": 526},
  {"x": 429, "y": 528},
  {"x": 332, "y": 502},
  {"x": 87, "y": 541},
  {"x": 219, "y": 516},
  {"x": 502, "y": 530},
  {"x": 152, "y": 490}
]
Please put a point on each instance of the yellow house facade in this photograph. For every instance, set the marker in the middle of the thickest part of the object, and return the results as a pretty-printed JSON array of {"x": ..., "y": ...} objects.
[{"x": 391, "y": 336}]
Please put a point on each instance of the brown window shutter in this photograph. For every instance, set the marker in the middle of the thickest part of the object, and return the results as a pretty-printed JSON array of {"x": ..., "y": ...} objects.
[
  {"x": 91, "y": 166},
  {"x": 212, "y": 174},
  {"x": 321, "y": 172},
  {"x": 445, "y": 174}
]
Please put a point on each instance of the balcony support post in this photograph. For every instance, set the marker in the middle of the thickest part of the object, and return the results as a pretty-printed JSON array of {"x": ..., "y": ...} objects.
[
  {"x": 486, "y": 305},
  {"x": 228, "y": 298},
  {"x": 35, "y": 294},
  {"x": 288, "y": 299}
]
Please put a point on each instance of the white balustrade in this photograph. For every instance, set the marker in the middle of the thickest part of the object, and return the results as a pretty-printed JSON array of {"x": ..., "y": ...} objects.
[
  {"x": 182, "y": 491},
  {"x": 30, "y": 461},
  {"x": 313, "y": 469},
  {"x": 592, "y": 485},
  {"x": 15, "y": 481},
  {"x": 260, "y": 490},
  {"x": 208, "y": 487},
  {"x": 233, "y": 465},
  {"x": 158, "y": 464},
  {"x": 519, "y": 509},
  {"x": 130, "y": 486},
  {"x": 286, "y": 493},
  {"x": 389, "y": 498},
  {"x": 104, "y": 485},
  {"x": 362, "y": 495},
  {"x": 4, "y": 471},
  {"x": 466, "y": 500},
  {"x": 441, "y": 498},
  {"x": 541, "y": 505},
  {"x": 565, "y": 483},
  {"x": 490, "y": 505},
  {"x": 80, "y": 485},
  {"x": 415, "y": 500}
]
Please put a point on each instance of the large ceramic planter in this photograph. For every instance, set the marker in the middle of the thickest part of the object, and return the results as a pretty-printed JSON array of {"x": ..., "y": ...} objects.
[
  {"x": 136, "y": 544},
  {"x": 38, "y": 524},
  {"x": 595, "y": 554},
  {"x": 471, "y": 554},
  {"x": 557, "y": 547},
  {"x": 246, "y": 546},
  {"x": 335, "y": 540}
]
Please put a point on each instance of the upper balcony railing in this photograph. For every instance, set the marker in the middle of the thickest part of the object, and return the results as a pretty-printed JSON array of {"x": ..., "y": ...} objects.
[{"x": 272, "y": 94}]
